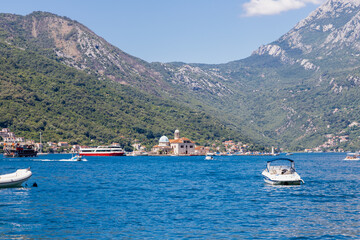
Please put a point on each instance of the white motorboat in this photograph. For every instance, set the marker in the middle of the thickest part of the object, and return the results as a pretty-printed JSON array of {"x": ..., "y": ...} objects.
[
  {"x": 352, "y": 156},
  {"x": 15, "y": 179},
  {"x": 76, "y": 157},
  {"x": 209, "y": 156},
  {"x": 277, "y": 174},
  {"x": 137, "y": 153}
]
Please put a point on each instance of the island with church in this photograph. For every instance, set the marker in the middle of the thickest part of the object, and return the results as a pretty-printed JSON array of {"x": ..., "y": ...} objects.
[{"x": 177, "y": 146}]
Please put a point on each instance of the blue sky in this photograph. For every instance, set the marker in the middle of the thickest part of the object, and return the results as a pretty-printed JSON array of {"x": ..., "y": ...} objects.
[{"x": 192, "y": 31}]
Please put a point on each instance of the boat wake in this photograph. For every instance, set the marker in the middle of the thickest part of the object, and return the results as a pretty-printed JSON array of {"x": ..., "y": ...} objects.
[
  {"x": 73, "y": 160},
  {"x": 60, "y": 160}
]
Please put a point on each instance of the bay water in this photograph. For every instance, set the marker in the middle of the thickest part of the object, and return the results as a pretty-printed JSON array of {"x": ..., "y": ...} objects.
[{"x": 180, "y": 198}]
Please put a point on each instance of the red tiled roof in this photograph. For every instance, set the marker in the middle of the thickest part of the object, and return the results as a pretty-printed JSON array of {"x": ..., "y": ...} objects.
[{"x": 180, "y": 140}]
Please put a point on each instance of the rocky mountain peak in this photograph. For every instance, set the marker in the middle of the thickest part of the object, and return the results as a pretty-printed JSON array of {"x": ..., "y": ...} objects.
[
  {"x": 77, "y": 46},
  {"x": 333, "y": 27},
  {"x": 331, "y": 9}
]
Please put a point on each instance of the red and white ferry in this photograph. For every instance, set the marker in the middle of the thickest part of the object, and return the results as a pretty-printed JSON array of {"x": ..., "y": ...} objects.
[{"x": 102, "y": 151}]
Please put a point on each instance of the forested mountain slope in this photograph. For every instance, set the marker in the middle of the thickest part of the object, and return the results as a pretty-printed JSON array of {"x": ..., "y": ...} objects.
[{"x": 38, "y": 94}]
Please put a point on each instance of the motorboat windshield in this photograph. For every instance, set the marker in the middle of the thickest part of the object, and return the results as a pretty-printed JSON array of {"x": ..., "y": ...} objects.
[{"x": 281, "y": 163}]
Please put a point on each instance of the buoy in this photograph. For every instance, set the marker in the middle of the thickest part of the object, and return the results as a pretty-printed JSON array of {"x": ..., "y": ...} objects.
[{"x": 34, "y": 184}]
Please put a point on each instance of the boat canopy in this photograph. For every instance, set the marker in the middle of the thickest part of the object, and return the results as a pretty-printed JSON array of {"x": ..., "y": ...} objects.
[
  {"x": 281, "y": 159},
  {"x": 352, "y": 154}
]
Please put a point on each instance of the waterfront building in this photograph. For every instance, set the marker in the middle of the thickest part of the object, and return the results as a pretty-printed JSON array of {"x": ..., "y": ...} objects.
[
  {"x": 201, "y": 150},
  {"x": 14, "y": 139},
  {"x": 9, "y": 137},
  {"x": 182, "y": 146},
  {"x": 5, "y": 132},
  {"x": 63, "y": 144}
]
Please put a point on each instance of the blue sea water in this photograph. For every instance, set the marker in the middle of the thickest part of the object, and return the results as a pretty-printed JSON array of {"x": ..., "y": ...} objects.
[{"x": 180, "y": 198}]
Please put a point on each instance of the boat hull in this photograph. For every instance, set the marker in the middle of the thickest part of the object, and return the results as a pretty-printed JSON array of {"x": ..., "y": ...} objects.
[
  {"x": 282, "y": 182},
  {"x": 352, "y": 159},
  {"x": 110, "y": 154},
  {"x": 15, "y": 179},
  {"x": 21, "y": 154},
  {"x": 279, "y": 179},
  {"x": 76, "y": 158},
  {"x": 352, "y": 156}
]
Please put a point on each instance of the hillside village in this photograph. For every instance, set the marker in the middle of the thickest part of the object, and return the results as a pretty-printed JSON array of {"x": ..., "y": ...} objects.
[{"x": 177, "y": 146}]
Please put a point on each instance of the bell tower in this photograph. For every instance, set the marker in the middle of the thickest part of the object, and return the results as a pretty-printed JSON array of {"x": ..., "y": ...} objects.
[{"x": 177, "y": 134}]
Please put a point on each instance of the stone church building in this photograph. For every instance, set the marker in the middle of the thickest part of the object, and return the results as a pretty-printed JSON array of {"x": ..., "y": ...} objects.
[{"x": 176, "y": 146}]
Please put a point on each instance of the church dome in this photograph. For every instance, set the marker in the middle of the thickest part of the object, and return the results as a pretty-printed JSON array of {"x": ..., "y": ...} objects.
[{"x": 164, "y": 141}]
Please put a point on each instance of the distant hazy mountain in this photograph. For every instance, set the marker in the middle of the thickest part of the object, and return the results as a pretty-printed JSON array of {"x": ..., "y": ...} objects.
[{"x": 297, "y": 92}]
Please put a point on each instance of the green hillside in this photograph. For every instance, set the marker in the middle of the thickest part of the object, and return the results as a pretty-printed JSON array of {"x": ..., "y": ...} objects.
[{"x": 42, "y": 95}]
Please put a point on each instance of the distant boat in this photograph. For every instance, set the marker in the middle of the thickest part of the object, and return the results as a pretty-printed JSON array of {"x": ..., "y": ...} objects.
[
  {"x": 18, "y": 150},
  {"x": 76, "y": 157},
  {"x": 289, "y": 154},
  {"x": 352, "y": 156},
  {"x": 102, "y": 151},
  {"x": 42, "y": 153},
  {"x": 15, "y": 179},
  {"x": 209, "y": 156},
  {"x": 281, "y": 174},
  {"x": 137, "y": 153}
]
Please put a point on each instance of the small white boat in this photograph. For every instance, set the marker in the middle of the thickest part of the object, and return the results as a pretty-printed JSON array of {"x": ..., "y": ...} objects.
[
  {"x": 137, "y": 153},
  {"x": 209, "y": 156},
  {"x": 77, "y": 157},
  {"x": 41, "y": 153},
  {"x": 281, "y": 174},
  {"x": 15, "y": 179},
  {"x": 352, "y": 156}
]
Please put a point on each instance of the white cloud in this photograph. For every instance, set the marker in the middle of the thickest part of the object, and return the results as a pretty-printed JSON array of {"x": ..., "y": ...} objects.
[{"x": 272, "y": 7}]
